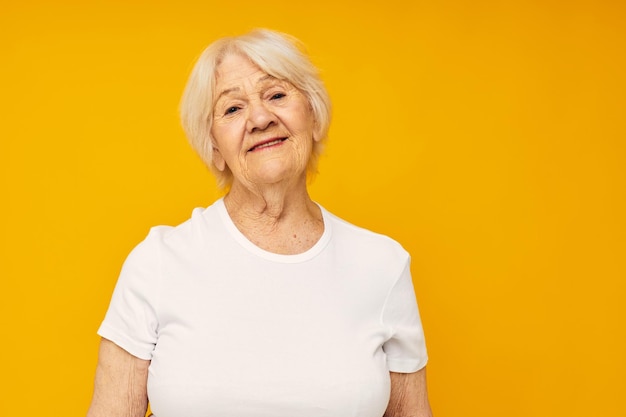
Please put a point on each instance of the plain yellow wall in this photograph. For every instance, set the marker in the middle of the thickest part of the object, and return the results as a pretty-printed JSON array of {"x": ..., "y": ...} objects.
[{"x": 487, "y": 137}]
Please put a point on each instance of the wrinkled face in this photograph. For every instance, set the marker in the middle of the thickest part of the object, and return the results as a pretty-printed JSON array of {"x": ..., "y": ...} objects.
[{"x": 262, "y": 127}]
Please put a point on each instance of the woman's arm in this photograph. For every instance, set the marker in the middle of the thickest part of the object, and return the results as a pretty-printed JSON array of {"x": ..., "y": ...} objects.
[
  {"x": 409, "y": 397},
  {"x": 121, "y": 384}
]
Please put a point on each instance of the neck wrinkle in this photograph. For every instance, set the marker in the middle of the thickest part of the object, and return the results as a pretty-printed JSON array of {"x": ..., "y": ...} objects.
[{"x": 277, "y": 218}]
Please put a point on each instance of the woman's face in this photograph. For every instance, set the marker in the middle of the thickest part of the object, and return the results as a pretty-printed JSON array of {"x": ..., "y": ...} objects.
[{"x": 262, "y": 127}]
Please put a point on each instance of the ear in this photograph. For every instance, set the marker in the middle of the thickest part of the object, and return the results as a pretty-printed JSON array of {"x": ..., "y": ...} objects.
[
  {"x": 218, "y": 160},
  {"x": 316, "y": 134},
  {"x": 316, "y": 131},
  {"x": 316, "y": 125}
]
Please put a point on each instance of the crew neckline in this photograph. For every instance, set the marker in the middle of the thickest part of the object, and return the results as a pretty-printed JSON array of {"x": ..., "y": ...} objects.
[{"x": 271, "y": 256}]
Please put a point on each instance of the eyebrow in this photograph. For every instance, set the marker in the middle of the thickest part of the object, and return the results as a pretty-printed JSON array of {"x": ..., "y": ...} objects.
[{"x": 230, "y": 90}]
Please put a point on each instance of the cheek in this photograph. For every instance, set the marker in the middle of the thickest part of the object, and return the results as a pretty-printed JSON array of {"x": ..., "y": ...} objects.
[
  {"x": 221, "y": 134},
  {"x": 305, "y": 120},
  {"x": 215, "y": 132}
]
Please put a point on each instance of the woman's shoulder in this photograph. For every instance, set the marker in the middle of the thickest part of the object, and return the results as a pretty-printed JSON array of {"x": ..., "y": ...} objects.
[
  {"x": 201, "y": 221},
  {"x": 346, "y": 232}
]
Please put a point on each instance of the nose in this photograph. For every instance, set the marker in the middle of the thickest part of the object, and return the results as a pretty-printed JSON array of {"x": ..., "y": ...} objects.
[{"x": 259, "y": 116}]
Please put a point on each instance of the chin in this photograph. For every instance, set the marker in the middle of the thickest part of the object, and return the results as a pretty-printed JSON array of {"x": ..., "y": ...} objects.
[
  {"x": 274, "y": 177},
  {"x": 277, "y": 172}
]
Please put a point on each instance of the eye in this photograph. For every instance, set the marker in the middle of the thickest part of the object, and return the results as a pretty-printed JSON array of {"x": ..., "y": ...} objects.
[
  {"x": 277, "y": 96},
  {"x": 231, "y": 110}
]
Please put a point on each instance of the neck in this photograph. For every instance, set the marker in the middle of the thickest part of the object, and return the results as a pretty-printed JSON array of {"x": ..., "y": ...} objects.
[
  {"x": 268, "y": 202},
  {"x": 276, "y": 218}
]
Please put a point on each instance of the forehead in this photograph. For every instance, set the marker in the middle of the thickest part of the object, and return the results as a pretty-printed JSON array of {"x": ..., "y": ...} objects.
[{"x": 235, "y": 69}]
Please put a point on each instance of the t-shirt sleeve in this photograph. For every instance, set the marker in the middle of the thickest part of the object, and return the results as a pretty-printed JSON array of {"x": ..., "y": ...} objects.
[
  {"x": 131, "y": 321},
  {"x": 406, "y": 347}
]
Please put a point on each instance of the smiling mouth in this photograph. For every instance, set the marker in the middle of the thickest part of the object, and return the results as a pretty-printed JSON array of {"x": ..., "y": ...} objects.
[{"x": 267, "y": 144}]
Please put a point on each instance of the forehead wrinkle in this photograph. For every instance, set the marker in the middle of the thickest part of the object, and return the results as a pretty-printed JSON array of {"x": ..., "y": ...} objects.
[
  {"x": 265, "y": 78},
  {"x": 261, "y": 80},
  {"x": 227, "y": 91}
]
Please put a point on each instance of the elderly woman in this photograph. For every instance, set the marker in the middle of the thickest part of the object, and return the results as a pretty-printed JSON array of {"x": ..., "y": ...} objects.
[{"x": 264, "y": 303}]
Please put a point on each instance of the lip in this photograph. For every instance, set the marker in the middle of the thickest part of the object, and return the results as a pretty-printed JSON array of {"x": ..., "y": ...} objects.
[{"x": 264, "y": 143}]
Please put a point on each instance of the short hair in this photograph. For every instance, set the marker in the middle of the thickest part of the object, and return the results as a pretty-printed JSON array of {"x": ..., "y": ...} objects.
[{"x": 279, "y": 55}]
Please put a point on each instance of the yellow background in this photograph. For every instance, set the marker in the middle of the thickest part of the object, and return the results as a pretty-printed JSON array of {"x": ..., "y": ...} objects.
[{"x": 487, "y": 137}]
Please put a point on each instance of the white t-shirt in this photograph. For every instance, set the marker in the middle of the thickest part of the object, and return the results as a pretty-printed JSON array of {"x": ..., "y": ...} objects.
[{"x": 235, "y": 331}]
